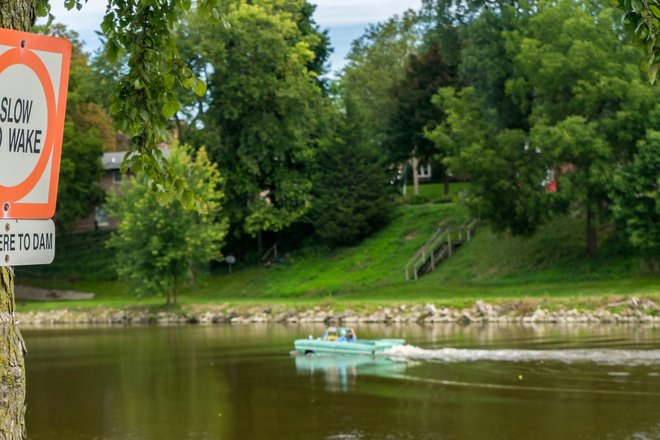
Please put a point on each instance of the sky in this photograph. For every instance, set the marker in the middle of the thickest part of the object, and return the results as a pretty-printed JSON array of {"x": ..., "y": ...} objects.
[{"x": 344, "y": 19}]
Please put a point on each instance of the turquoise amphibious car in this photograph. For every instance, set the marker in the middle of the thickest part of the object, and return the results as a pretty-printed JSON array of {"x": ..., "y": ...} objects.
[{"x": 343, "y": 340}]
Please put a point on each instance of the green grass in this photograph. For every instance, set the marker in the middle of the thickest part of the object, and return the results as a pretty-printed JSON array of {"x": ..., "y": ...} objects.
[
  {"x": 436, "y": 190},
  {"x": 376, "y": 263},
  {"x": 556, "y": 254},
  {"x": 549, "y": 266}
]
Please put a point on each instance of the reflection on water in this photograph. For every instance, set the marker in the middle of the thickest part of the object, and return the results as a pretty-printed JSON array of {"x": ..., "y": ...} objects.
[
  {"x": 239, "y": 382},
  {"x": 341, "y": 372}
]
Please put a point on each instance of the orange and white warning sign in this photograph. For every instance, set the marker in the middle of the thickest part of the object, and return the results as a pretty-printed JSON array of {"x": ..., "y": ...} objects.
[{"x": 34, "y": 76}]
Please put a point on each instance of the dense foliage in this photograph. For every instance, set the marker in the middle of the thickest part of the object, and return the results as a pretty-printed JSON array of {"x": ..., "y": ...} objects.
[
  {"x": 636, "y": 195},
  {"x": 642, "y": 19},
  {"x": 541, "y": 105},
  {"x": 547, "y": 132},
  {"x": 351, "y": 194},
  {"x": 159, "y": 247},
  {"x": 376, "y": 63},
  {"x": 264, "y": 108}
]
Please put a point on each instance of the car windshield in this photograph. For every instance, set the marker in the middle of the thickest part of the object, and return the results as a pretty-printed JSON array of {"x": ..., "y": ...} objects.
[{"x": 330, "y": 334}]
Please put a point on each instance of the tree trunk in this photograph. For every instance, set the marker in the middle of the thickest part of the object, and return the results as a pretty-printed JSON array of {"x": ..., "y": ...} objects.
[
  {"x": 445, "y": 176},
  {"x": 592, "y": 237},
  {"x": 415, "y": 171},
  {"x": 174, "y": 290},
  {"x": 12, "y": 364},
  {"x": 17, "y": 15}
]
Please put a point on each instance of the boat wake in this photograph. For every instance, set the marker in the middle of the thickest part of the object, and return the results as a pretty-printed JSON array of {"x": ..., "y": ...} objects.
[{"x": 568, "y": 356}]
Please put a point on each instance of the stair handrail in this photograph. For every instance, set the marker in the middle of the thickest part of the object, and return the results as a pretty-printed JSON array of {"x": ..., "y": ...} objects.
[
  {"x": 426, "y": 252},
  {"x": 422, "y": 250},
  {"x": 441, "y": 237},
  {"x": 267, "y": 256}
]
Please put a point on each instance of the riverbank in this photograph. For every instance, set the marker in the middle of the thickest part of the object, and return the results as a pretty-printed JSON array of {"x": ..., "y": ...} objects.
[
  {"x": 611, "y": 310},
  {"x": 544, "y": 278}
]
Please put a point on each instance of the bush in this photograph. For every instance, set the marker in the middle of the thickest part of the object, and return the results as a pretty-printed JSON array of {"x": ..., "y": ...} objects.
[{"x": 419, "y": 200}]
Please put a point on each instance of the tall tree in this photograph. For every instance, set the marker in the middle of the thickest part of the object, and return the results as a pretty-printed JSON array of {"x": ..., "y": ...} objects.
[
  {"x": 583, "y": 83},
  {"x": 352, "y": 194},
  {"x": 321, "y": 48},
  {"x": 414, "y": 113},
  {"x": 486, "y": 65},
  {"x": 376, "y": 62},
  {"x": 586, "y": 106},
  {"x": 264, "y": 110},
  {"x": 506, "y": 175}
]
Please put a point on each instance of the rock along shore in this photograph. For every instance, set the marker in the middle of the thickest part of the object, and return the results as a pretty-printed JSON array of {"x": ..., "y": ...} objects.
[{"x": 634, "y": 310}]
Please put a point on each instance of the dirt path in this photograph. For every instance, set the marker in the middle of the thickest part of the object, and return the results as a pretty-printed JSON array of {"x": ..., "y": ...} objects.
[{"x": 38, "y": 294}]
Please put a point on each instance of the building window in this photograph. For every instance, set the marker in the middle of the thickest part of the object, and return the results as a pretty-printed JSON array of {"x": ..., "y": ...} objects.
[
  {"x": 101, "y": 217},
  {"x": 116, "y": 177},
  {"x": 425, "y": 171}
]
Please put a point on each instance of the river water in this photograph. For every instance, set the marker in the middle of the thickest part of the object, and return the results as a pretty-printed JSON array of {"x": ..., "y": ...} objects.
[{"x": 240, "y": 382}]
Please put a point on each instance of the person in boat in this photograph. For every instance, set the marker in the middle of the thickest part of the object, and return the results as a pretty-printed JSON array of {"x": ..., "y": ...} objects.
[{"x": 346, "y": 335}]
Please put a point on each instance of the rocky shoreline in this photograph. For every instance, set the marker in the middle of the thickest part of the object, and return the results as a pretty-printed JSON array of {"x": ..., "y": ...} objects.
[{"x": 625, "y": 311}]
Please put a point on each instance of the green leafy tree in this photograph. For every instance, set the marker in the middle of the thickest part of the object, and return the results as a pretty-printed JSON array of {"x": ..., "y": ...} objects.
[
  {"x": 352, "y": 194},
  {"x": 506, "y": 174},
  {"x": 575, "y": 71},
  {"x": 573, "y": 76},
  {"x": 642, "y": 20},
  {"x": 486, "y": 65},
  {"x": 376, "y": 62},
  {"x": 636, "y": 195},
  {"x": 264, "y": 111},
  {"x": 159, "y": 247},
  {"x": 322, "y": 47},
  {"x": 413, "y": 111},
  {"x": 143, "y": 33}
]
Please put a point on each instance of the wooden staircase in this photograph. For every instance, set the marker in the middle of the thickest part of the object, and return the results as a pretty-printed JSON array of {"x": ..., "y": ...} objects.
[{"x": 438, "y": 247}]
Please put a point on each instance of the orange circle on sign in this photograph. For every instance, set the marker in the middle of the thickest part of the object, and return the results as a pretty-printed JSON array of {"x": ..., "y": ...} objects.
[{"x": 32, "y": 61}]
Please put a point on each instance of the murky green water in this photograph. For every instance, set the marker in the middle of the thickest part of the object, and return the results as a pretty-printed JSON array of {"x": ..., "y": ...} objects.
[{"x": 239, "y": 382}]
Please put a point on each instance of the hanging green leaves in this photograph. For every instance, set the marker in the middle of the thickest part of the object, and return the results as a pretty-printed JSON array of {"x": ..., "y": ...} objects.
[{"x": 642, "y": 19}]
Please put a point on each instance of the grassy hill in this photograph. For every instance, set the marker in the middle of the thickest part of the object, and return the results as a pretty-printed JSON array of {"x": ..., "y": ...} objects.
[
  {"x": 550, "y": 264},
  {"x": 375, "y": 264}
]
